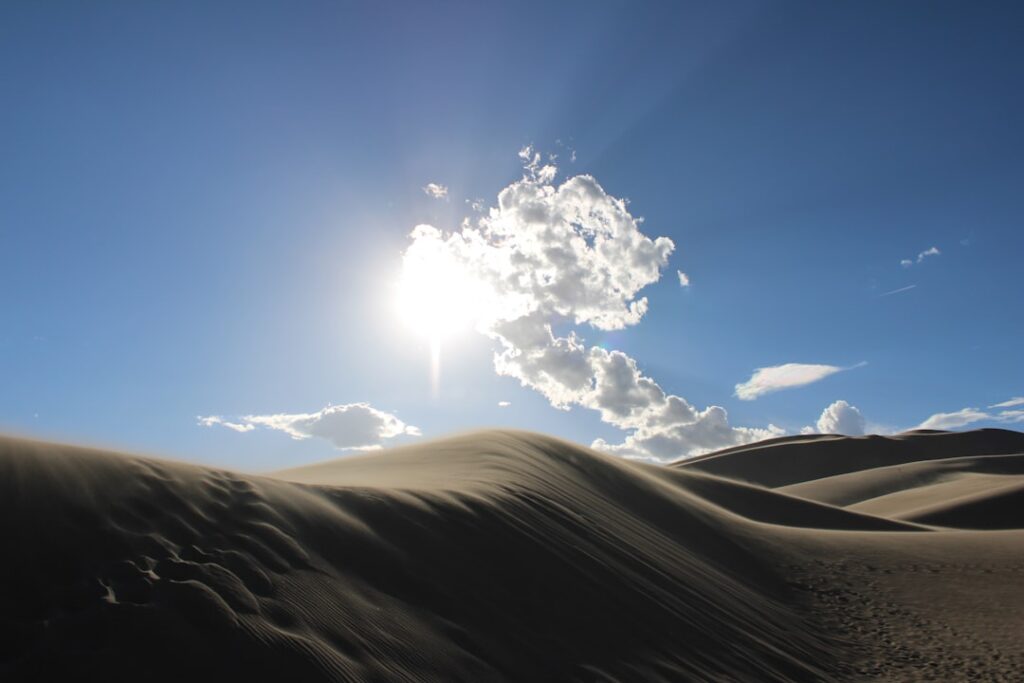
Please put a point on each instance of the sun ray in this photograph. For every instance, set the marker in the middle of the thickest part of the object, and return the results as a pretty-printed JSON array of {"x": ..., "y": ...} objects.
[{"x": 435, "y": 366}]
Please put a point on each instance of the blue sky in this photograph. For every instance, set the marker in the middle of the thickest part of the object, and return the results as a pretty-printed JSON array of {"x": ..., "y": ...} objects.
[{"x": 203, "y": 209}]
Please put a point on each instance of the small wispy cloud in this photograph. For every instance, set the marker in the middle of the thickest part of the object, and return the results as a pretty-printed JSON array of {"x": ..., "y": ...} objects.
[
  {"x": 1015, "y": 401},
  {"x": 684, "y": 279},
  {"x": 930, "y": 251},
  {"x": 211, "y": 420},
  {"x": 958, "y": 418},
  {"x": 897, "y": 291},
  {"x": 435, "y": 190},
  {"x": 504, "y": 404},
  {"x": 533, "y": 165},
  {"x": 785, "y": 376},
  {"x": 567, "y": 148}
]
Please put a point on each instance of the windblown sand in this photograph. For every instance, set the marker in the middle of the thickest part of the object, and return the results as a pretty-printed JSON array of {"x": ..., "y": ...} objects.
[{"x": 509, "y": 556}]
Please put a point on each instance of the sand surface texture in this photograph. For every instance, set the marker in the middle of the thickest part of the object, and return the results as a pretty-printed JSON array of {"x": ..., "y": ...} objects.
[{"x": 510, "y": 556}]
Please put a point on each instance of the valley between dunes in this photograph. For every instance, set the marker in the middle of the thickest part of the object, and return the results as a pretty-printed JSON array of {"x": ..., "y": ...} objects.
[{"x": 513, "y": 556}]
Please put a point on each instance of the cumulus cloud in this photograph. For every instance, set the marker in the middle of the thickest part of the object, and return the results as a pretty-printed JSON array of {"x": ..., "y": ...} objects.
[
  {"x": 786, "y": 376},
  {"x": 435, "y": 190},
  {"x": 561, "y": 255},
  {"x": 930, "y": 251},
  {"x": 705, "y": 431},
  {"x": 684, "y": 279},
  {"x": 355, "y": 426},
  {"x": 841, "y": 418}
]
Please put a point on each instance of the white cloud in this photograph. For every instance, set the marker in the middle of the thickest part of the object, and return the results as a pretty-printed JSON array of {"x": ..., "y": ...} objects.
[
  {"x": 435, "y": 190},
  {"x": 572, "y": 255},
  {"x": 684, "y": 279},
  {"x": 532, "y": 162},
  {"x": 706, "y": 431},
  {"x": 960, "y": 418},
  {"x": 504, "y": 404},
  {"x": 840, "y": 418},
  {"x": 968, "y": 416},
  {"x": 212, "y": 420},
  {"x": 786, "y": 376},
  {"x": 930, "y": 251},
  {"x": 351, "y": 426},
  {"x": 1016, "y": 401},
  {"x": 571, "y": 150}
]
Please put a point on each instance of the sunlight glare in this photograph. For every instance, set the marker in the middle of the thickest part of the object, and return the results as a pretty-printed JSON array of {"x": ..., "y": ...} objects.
[{"x": 434, "y": 296}]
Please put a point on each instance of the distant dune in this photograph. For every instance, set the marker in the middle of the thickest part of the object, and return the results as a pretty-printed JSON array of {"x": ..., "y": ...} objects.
[{"x": 510, "y": 556}]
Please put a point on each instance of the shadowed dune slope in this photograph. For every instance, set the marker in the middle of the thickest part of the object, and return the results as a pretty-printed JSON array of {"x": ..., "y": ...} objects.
[
  {"x": 496, "y": 556},
  {"x": 487, "y": 557}
]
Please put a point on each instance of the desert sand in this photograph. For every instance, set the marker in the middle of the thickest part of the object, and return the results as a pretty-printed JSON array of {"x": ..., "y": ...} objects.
[{"x": 511, "y": 556}]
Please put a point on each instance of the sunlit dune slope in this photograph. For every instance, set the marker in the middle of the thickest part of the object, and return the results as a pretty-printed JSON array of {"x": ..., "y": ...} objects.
[
  {"x": 971, "y": 480},
  {"x": 502, "y": 556},
  {"x": 794, "y": 459}
]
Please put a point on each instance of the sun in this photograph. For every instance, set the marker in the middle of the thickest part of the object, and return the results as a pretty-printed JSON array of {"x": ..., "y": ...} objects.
[
  {"x": 435, "y": 295},
  {"x": 434, "y": 292}
]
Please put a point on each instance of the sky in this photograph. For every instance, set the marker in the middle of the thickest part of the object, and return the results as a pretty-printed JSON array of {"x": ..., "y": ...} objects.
[{"x": 256, "y": 235}]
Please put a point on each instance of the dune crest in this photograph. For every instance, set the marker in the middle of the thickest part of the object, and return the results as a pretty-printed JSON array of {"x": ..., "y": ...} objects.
[{"x": 510, "y": 556}]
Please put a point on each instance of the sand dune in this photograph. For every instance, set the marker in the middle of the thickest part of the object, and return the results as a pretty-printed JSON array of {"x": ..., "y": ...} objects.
[{"x": 509, "y": 556}]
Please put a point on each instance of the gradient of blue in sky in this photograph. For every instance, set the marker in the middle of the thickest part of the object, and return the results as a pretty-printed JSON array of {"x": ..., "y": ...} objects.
[{"x": 203, "y": 208}]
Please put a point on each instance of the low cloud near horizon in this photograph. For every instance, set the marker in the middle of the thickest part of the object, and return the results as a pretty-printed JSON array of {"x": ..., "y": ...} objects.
[
  {"x": 352, "y": 426},
  {"x": 839, "y": 418},
  {"x": 968, "y": 416}
]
